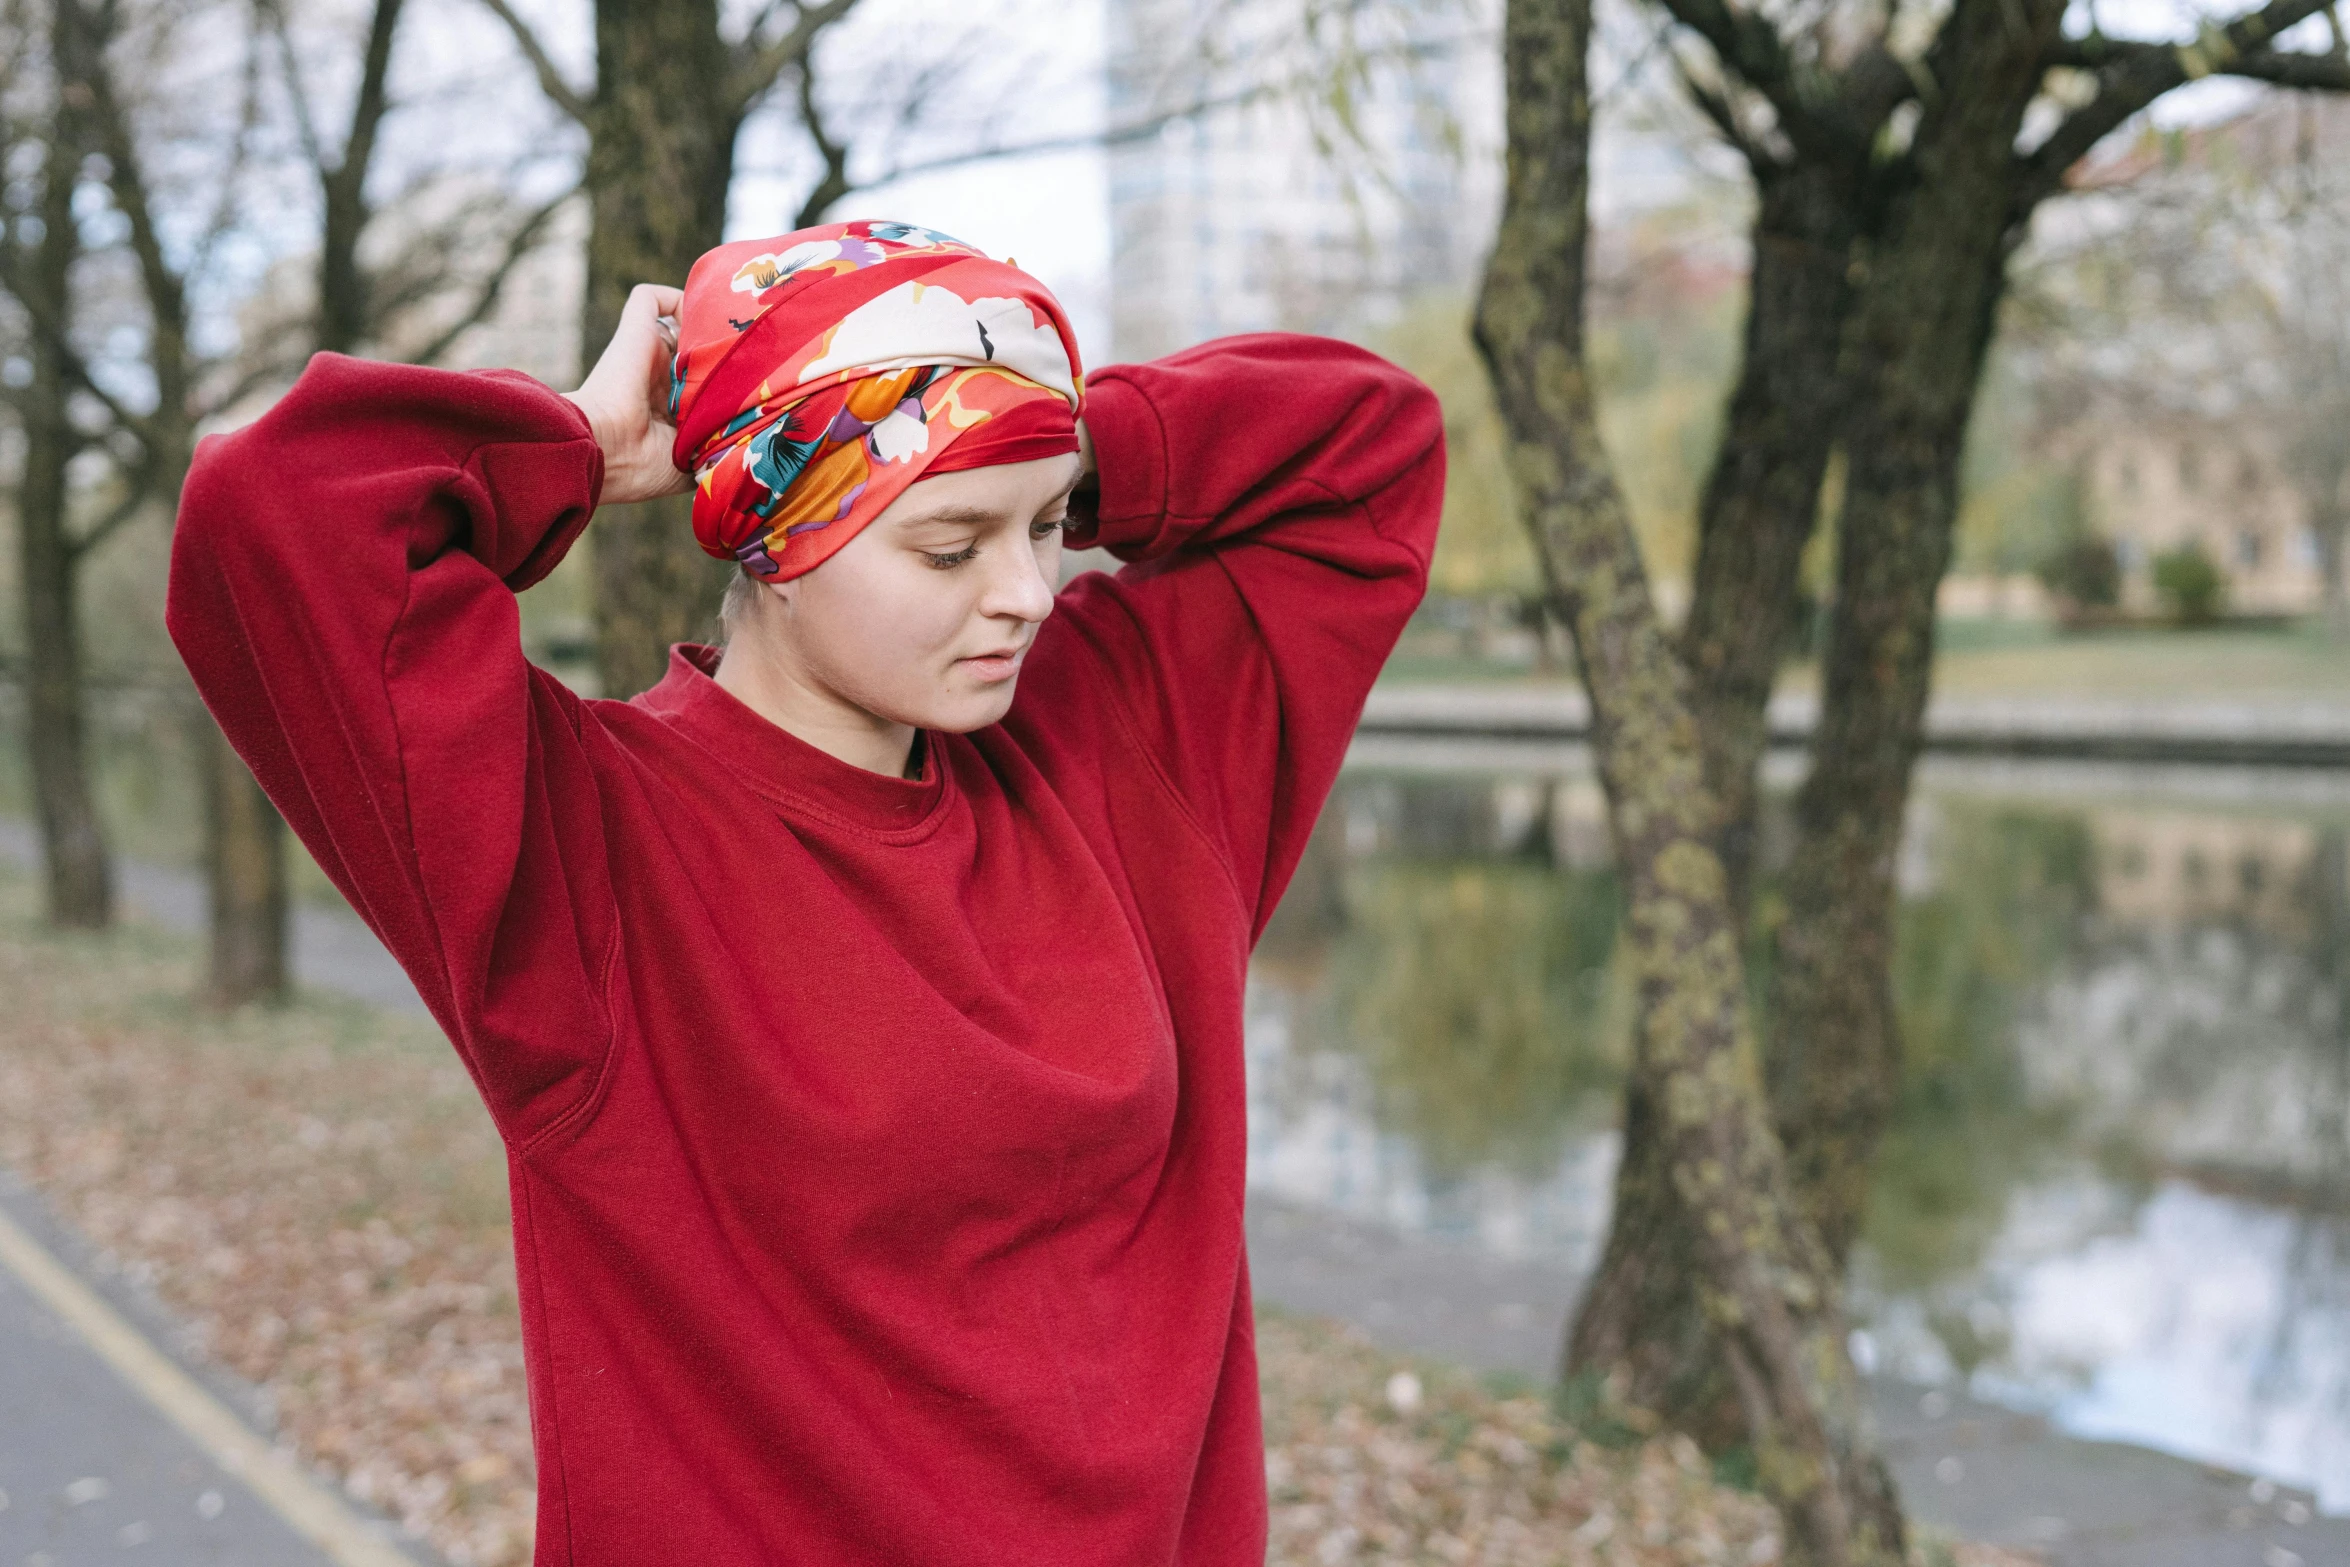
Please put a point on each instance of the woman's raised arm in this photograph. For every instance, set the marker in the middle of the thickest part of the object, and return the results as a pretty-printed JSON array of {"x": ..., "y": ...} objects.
[
  {"x": 1277, "y": 498},
  {"x": 342, "y": 589}
]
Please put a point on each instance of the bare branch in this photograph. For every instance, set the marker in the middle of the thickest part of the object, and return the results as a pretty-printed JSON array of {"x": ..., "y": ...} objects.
[
  {"x": 141, "y": 480},
  {"x": 1135, "y": 130},
  {"x": 1808, "y": 102},
  {"x": 756, "y": 66},
  {"x": 224, "y": 211},
  {"x": 2282, "y": 68},
  {"x": 297, "y": 90},
  {"x": 51, "y": 328},
  {"x": 518, "y": 245},
  {"x": 1715, "y": 106},
  {"x": 835, "y": 183},
  {"x": 2131, "y": 76},
  {"x": 559, "y": 92},
  {"x": 166, "y": 290}
]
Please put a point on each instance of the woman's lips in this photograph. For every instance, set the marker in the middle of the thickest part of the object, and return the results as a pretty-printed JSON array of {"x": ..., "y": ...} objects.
[{"x": 992, "y": 667}]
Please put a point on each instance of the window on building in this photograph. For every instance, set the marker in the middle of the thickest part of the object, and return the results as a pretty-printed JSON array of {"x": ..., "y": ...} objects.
[
  {"x": 2248, "y": 472},
  {"x": 2190, "y": 466},
  {"x": 2247, "y": 547}
]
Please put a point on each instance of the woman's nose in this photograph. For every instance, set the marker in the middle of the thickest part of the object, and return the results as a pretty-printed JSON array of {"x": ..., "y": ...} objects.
[{"x": 1017, "y": 588}]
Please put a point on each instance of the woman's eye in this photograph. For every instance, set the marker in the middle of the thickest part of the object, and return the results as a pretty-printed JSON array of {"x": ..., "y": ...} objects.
[
  {"x": 949, "y": 562},
  {"x": 1045, "y": 529}
]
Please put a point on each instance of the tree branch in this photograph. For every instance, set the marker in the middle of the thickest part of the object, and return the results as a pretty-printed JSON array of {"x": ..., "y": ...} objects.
[
  {"x": 518, "y": 245},
  {"x": 559, "y": 92},
  {"x": 224, "y": 211},
  {"x": 305, "y": 118},
  {"x": 756, "y": 66},
  {"x": 835, "y": 183},
  {"x": 53, "y": 330},
  {"x": 142, "y": 483},
  {"x": 1133, "y": 131},
  {"x": 1811, "y": 112},
  {"x": 1715, "y": 106},
  {"x": 2131, "y": 76},
  {"x": 2282, "y": 68}
]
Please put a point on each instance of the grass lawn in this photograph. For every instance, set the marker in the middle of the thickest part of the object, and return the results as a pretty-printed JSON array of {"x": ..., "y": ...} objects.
[
  {"x": 2284, "y": 663},
  {"x": 2007, "y": 658},
  {"x": 318, "y": 1192}
]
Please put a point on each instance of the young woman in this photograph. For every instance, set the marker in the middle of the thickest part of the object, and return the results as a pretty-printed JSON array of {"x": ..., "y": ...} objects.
[{"x": 866, "y": 1043}]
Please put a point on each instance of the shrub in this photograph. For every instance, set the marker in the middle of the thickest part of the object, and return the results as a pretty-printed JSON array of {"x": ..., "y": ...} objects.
[
  {"x": 2085, "y": 573},
  {"x": 2191, "y": 584}
]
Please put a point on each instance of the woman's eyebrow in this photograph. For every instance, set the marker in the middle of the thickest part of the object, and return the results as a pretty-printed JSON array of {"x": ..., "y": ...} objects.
[
  {"x": 973, "y": 516},
  {"x": 956, "y": 516}
]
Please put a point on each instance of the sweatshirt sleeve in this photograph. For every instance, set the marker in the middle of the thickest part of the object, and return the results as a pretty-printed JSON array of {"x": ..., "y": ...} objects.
[
  {"x": 1276, "y": 498},
  {"x": 342, "y": 589}
]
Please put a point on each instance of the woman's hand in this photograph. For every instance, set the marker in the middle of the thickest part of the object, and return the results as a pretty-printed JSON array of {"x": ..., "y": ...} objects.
[{"x": 626, "y": 400}]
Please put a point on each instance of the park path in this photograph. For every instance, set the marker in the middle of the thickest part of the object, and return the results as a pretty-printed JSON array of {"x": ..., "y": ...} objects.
[{"x": 1975, "y": 1470}]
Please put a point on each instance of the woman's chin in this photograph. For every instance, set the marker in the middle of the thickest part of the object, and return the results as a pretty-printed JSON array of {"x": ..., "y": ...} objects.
[{"x": 960, "y": 712}]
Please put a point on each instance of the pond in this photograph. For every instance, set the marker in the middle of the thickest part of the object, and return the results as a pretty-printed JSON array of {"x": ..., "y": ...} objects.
[{"x": 2117, "y": 1190}]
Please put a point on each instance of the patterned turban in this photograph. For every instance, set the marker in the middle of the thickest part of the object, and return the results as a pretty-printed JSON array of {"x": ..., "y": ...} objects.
[{"x": 820, "y": 373}]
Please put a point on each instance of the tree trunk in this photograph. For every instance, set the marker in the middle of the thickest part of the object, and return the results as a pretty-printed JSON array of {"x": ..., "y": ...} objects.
[
  {"x": 1640, "y": 1316},
  {"x": 1762, "y": 498},
  {"x": 1767, "y": 1291},
  {"x": 244, "y": 844},
  {"x": 344, "y": 318},
  {"x": 1920, "y": 328},
  {"x": 660, "y": 159},
  {"x": 79, "y": 876}
]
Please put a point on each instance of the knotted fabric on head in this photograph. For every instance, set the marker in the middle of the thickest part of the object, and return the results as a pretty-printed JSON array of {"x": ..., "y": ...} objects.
[{"x": 819, "y": 373}]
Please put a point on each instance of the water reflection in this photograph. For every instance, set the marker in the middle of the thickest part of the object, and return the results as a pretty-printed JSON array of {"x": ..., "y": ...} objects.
[{"x": 2118, "y": 1186}]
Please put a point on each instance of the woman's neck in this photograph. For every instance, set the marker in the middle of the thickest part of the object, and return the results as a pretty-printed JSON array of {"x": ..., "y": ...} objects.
[{"x": 802, "y": 708}]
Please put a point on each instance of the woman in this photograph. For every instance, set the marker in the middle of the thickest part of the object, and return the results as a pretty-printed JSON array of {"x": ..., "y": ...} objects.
[{"x": 866, "y": 1044}]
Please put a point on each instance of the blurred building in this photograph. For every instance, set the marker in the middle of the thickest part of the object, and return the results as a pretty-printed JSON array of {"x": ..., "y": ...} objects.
[
  {"x": 2154, "y": 485},
  {"x": 1263, "y": 214},
  {"x": 2195, "y": 375},
  {"x": 2168, "y": 869}
]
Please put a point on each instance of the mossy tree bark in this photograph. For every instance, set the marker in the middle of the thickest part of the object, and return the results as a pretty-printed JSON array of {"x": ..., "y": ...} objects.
[
  {"x": 1920, "y": 329},
  {"x": 1762, "y": 497},
  {"x": 1879, "y": 267},
  {"x": 1770, "y": 1299}
]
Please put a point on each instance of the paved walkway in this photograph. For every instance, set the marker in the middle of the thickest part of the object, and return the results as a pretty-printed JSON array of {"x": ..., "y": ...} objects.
[
  {"x": 112, "y": 1447},
  {"x": 1974, "y": 1470},
  {"x": 1981, "y": 1472}
]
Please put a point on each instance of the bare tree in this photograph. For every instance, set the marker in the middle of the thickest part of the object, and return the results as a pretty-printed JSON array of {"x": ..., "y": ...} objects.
[
  {"x": 1900, "y": 156},
  {"x": 38, "y": 252},
  {"x": 97, "y": 48},
  {"x": 353, "y": 308}
]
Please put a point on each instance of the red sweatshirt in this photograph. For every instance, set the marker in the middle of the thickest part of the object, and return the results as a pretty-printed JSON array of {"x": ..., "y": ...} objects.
[{"x": 876, "y": 1146}]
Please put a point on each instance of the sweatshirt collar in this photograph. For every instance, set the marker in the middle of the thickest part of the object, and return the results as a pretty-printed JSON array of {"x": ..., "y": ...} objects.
[{"x": 781, "y": 767}]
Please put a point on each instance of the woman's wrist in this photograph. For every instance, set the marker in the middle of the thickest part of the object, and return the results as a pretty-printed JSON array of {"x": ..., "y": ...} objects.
[{"x": 625, "y": 401}]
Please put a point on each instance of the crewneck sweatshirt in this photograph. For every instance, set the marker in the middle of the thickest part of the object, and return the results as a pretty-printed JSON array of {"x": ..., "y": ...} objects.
[{"x": 877, "y": 1145}]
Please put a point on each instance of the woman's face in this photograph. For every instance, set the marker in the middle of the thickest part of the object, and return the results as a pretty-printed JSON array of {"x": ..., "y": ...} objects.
[{"x": 924, "y": 617}]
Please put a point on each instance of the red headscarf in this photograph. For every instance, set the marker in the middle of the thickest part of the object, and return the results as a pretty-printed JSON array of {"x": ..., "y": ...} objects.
[{"x": 820, "y": 373}]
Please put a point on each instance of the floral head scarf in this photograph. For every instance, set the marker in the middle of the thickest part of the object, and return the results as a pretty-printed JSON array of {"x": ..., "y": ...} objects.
[{"x": 820, "y": 373}]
